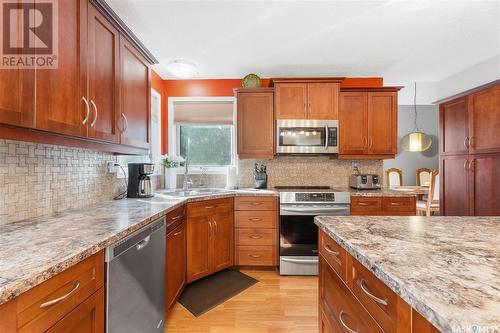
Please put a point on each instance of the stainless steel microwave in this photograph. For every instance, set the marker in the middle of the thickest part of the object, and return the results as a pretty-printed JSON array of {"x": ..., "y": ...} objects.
[{"x": 295, "y": 136}]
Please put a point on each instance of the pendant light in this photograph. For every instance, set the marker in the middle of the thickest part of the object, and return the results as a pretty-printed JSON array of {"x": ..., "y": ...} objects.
[{"x": 416, "y": 141}]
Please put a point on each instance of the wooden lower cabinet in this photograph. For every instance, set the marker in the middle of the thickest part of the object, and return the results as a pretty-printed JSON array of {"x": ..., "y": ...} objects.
[
  {"x": 175, "y": 263},
  {"x": 80, "y": 308},
  {"x": 384, "y": 206},
  {"x": 256, "y": 231},
  {"x": 209, "y": 237},
  {"x": 359, "y": 301}
]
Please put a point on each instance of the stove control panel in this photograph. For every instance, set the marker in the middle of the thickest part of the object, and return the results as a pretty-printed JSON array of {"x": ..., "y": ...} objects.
[{"x": 314, "y": 197}]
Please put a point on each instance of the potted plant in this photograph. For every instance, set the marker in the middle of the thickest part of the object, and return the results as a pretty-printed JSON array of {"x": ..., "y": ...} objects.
[{"x": 171, "y": 164}]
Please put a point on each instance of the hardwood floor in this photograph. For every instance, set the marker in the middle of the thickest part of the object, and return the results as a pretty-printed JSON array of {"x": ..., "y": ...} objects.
[{"x": 276, "y": 304}]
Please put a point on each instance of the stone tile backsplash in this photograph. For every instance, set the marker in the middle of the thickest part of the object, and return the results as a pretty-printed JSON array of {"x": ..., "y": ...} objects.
[
  {"x": 313, "y": 170},
  {"x": 37, "y": 179}
]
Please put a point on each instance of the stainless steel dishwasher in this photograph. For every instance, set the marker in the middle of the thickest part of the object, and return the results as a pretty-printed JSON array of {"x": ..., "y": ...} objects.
[{"x": 135, "y": 268}]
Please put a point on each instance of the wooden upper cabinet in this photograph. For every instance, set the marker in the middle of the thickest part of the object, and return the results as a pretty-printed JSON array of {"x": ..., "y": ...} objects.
[
  {"x": 255, "y": 106},
  {"x": 368, "y": 122},
  {"x": 484, "y": 121},
  {"x": 59, "y": 92},
  {"x": 307, "y": 98},
  {"x": 382, "y": 123},
  {"x": 323, "y": 101},
  {"x": 290, "y": 100},
  {"x": 17, "y": 97},
  {"x": 353, "y": 122},
  {"x": 103, "y": 61},
  {"x": 134, "y": 96},
  {"x": 454, "y": 123}
]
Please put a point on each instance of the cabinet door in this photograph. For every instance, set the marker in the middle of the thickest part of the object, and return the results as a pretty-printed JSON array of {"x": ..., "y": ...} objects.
[
  {"x": 103, "y": 48},
  {"x": 135, "y": 96},
  {"x": 353, "y": 123},
  {"x": 198, "y": 256},
  {"x": 323, "y": 100},
  {"x": 255, "y": 141},
  {"x": 453, "y": 119},
  {"x": 222, "y": 240},
  {"x": 290, "y": 100},
  {"x": 485, "y": 172},
  {"x": 382, "y": 123},
  {"x": 484, "y": 121},
  {"x": 175, "y": 264},
  {"x": 59, "y": 92},
  {"x": 88, "y": 317},
  {"x": 454, "y": 194}
]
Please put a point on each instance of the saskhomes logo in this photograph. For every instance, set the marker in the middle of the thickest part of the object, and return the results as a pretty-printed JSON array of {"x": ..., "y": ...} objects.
[{"x": 29, "y": 34}]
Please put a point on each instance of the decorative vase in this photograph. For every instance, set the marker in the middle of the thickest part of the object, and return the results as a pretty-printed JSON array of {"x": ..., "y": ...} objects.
[{"x": 171, "y": 178}]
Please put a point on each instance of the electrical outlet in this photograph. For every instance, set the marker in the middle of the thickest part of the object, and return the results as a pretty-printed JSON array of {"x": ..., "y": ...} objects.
[{"x": 111, "y": 167}]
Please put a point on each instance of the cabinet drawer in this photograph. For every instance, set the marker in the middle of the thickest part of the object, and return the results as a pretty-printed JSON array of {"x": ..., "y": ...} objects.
[
  {"x": 38, "y": 308},
  {"x": 204, "y": 207},
  {"x": 256, "y": 255},
  {"x": 255, "y": 237},
  {"x": 255, "y": 203},
  {"x": 376, "y": 297},
  {"x": 255, "y": 219},
  {"x": 399, "y": 204},
  {"x": 366, "y": 204},
  {"x": 175, "y": 218},
  {"x": 333, "y": 253},
  {"x": 336, "y": 299}
]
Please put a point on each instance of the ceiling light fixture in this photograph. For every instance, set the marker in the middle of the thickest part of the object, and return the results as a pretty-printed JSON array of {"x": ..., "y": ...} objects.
[
  {"x": 182, "y": 69},
  {"x": 416, "y": 141}
]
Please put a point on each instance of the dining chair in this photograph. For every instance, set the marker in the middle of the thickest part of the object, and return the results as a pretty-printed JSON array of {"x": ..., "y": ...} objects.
[
  {"x": 423, "y": 176},
  {"x": 426, "y": 207},
  {"x": 393, "y": 177}
]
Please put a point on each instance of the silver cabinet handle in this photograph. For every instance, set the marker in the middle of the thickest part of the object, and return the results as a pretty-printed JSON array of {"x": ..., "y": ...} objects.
[
  {"x": 95, "y": 110},
  {"x": 370, "y": 140},
  {"x": 365, "y": 142},
  {"x": 143, "y": 243},
  {"x": 396, "y": 204},
  {"x": 329, "y": 250},
  {"x": 87, "y": 111},
  {"x": 375, "y": 298},
  {"x": 175, "y": 217},
  {"x": 363, "y": 204},
  {"x": 466, "y": 164},
  {"x": 63, "y": 297},
  {"x": 466, "y": 142},
  {"x": 255, "y": 255},
  {"x": 341, "y": 318},
  {"x": 210, "y": 228},
  {"x": 216, "y": 227},
  {"x": 255, "y": 219},
  {"x": 256, "y": 203},
  {"x": 326, "y": 136},
  {"x": 305, "y": 111},
  {"x": 255, "y": 236},
  {"x": 211, "y": 207},
  {"x": 125, "y": 125},
  {"x": 178, "y": 233}
]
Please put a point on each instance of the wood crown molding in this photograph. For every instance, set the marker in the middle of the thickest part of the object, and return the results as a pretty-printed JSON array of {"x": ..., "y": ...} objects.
[
  {"x": 253, "y": 90},
  {"x": 468, "y": 92},
  {"x": 379, "y": 89},
  {"x": 110, "y": 14},
  {"x": 307, "y": 80}
]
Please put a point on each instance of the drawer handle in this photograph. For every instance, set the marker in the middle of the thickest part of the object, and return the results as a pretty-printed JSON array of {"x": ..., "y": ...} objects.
[
  {"x": 396, "y": 204},
  {"x": 178, "y": 233},
  {"x": 63, "y": 297},
  {"x": 341, "y": 317},
  {"x": 255, "y": 219},
  {"x": 175, "y": 217},
  {"x": 329, "y": 250},
  {"x": 255, "y": 236},
  {"x": 256, "y": 203},
  {"x": 375, "y": 298},
  {"x": 363, "y": 204},
  {"x": 255, "y": 255},
  {"x": 211, "y": 207}
]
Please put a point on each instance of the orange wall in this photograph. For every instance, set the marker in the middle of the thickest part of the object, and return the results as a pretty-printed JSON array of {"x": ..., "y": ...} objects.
[{"x": 223, "y": 87}]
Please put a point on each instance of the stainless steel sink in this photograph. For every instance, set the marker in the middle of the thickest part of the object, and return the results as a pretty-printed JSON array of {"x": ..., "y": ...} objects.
[{"x": 192, "y": 192}]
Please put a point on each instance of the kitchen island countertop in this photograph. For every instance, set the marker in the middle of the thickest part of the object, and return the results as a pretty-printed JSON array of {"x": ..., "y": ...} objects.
[{"x": 447, "y": 268}]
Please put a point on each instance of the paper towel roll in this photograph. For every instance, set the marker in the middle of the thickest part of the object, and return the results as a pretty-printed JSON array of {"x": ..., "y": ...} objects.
[{"x": 231, "y": 178}]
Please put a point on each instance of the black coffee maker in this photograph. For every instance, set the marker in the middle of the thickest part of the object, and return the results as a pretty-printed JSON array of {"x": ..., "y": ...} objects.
[{"x": 139, "y": 183}]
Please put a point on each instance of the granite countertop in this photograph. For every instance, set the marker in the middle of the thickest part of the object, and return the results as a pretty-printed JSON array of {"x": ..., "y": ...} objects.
[
  {"x": 447, "y": 268},
  {"x": 34, "y": 250},
  {"x": 383, "y": 192}
]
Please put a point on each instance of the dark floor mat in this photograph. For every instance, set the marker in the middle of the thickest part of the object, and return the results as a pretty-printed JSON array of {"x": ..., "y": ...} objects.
[{"x": 205, "y": 294}]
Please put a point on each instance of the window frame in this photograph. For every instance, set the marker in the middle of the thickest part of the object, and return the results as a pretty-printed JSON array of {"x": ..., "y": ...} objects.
[{"x": 174, "y": 133}]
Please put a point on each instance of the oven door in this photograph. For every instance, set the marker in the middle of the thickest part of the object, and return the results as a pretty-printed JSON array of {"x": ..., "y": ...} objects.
[{"x": 307, "y": 137}]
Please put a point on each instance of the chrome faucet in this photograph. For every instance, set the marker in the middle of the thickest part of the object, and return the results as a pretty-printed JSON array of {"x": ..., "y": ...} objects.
[
  {"x": 203, "y": 176},
  {"x": 186, "y": 185}
]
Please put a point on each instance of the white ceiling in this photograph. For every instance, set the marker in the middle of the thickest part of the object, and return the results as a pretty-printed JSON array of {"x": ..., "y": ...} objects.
[{"x": 398, "y": 40}]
